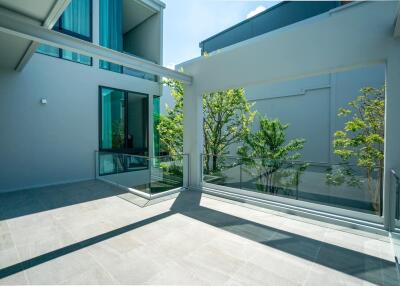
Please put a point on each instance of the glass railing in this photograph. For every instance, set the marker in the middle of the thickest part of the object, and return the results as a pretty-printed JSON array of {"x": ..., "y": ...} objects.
[
  {"x": 343, "y": 186},
  {"x": 395, "y": 182},
  {"x": 149, "y": 175}
]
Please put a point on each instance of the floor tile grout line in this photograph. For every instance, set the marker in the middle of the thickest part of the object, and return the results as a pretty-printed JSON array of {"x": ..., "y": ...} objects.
[
  {"x": 18, "y": 253},
  {"x": 115, "y": 280},
  {"x": 88, "y": 251}
]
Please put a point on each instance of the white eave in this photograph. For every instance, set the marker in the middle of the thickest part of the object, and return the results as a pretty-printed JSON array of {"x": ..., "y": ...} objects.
[
  {"x": 15, "y": 52},
  {"x": 20, "y": 30}
]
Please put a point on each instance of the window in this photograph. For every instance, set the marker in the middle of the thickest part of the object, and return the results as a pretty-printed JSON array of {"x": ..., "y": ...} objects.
[
  {"x": 124, "y": 121},
  {"x": 111, "y": 30},
  {"x": 77, "y": 22}
]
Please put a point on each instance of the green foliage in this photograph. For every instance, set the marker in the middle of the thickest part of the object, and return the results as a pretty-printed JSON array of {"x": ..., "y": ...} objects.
[
  {"x": 227, "y": 117},
  {"x": 172, "y": 168},
  {"x": 227, "y": 120},
  {"x": 362, "y": 140},
  {"x": 170, "y": 126},
  {"x": 267, "y": 156}
]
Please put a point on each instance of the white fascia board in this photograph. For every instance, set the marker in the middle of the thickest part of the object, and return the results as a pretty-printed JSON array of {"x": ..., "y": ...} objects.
[
  {"x": 55, "y": 13},
  {"x": 153, "y": 4},
  {"x": 24, "y": 29}
]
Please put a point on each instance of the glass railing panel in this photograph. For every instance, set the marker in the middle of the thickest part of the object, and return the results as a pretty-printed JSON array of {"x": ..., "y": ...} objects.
[
  {"x": 150, "y": 175},
  {"x": 110, "y": 163},
  {"x": 266, "y": 177},
  {"x": 349, "y": 187},
  {"x": 222, "y": 170},
  {"x": 167, "y": 173},
  {"x": 342, "y": 186}
]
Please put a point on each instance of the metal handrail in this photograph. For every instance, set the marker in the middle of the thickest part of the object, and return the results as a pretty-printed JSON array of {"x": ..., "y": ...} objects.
[
  {"x": 141, "y": 156},
  {"x": 314, "y": 163}
]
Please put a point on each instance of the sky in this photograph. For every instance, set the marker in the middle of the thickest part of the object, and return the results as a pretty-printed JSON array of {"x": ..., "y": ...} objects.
[{"x": 188, "y": 22}]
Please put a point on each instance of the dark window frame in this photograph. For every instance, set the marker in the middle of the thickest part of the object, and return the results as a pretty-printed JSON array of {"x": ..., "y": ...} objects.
[
  {"x": 58, "y": 28},
  {"x": 126, "y": 116}
]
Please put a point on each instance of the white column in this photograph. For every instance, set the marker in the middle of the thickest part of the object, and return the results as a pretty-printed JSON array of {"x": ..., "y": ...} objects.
[
  {"x": 392, "y": 131},
  {"x": 193, "y": 134}
]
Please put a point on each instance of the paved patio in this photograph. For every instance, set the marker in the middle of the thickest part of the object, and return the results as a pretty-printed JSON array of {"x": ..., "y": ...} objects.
[{"x": 88, "y": 233}]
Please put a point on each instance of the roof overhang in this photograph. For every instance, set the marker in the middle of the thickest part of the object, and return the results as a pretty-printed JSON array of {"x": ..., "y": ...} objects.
[
  {"x": 16, "y": 25},
  {"x": 15, "y": 51}
]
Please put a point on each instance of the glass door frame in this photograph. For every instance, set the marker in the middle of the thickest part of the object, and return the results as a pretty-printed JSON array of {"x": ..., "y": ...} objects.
[{"x": 126, "y": 117}]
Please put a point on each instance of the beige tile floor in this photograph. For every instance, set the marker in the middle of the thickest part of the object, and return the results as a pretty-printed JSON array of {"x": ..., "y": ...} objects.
[{"x": 85, "y": 233}]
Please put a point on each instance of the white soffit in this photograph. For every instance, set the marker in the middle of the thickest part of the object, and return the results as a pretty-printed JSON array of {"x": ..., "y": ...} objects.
[
  {"x": 17, "y": 25},
  {"x": 135, "y": 13},
  {"x": 13, "y": 48},
  {"x": 34, "y": 9}
]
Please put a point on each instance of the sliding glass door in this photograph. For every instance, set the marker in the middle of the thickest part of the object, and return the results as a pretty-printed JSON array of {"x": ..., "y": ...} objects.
[{"x": 124, "y": 124}]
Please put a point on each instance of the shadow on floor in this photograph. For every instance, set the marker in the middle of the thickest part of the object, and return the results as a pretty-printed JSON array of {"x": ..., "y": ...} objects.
[
  {"x": 25, "y": 202},
  {"x": 363, "y": 266},
  {"x": 360, "y": 265}
]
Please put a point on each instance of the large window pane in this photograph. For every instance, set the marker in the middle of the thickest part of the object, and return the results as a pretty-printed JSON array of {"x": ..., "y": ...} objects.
[
  {"x": 113, "y": 119},
  {"x": 124, "y": 121},
  {"x": 137, "y": 123},
  {"x": 111, "y": 30},
  {"x": 76, "y": 18}
]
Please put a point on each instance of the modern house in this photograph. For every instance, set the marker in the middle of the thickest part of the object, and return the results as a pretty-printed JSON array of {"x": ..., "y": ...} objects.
[
  {"x": 84, "y": 198},
  {"x": 102, "y": 106}
]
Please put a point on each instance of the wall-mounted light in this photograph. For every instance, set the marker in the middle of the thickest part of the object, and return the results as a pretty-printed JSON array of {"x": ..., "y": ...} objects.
[{"x": 43, "y": 101}]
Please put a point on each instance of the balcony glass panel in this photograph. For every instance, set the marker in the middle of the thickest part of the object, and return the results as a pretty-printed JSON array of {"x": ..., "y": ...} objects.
[
  {"x": 151, "y": 175},
  {"x": 343, "y": 186}
]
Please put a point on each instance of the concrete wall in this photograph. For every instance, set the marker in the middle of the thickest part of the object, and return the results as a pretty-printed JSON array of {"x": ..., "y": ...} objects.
[
  {"x": 310, "y": 106},
  {"x": 53, "y": 143},
  {"x": 145, "y": 40}
]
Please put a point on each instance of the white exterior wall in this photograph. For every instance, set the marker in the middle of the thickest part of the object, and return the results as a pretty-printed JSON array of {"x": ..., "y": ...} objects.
[
  {"x": 356, "y": 35},
  {"x": 310, "y": 106},
  {"x": 54, "y": 143}
]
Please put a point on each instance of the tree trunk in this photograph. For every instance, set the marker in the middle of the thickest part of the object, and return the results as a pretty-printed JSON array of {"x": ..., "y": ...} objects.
[
  {"x": 214, "y": 163},
  {"x": 207, "y": 163}
]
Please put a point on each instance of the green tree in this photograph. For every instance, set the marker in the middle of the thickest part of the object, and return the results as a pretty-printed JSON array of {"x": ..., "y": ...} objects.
[
  {"x": 227, "y": 117},
  {"x": 267, "y": 156},
  {"x": 227, "y": 120},
  {"x": 362, "y": 140},
  {"x": 170, "y": 126}
]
